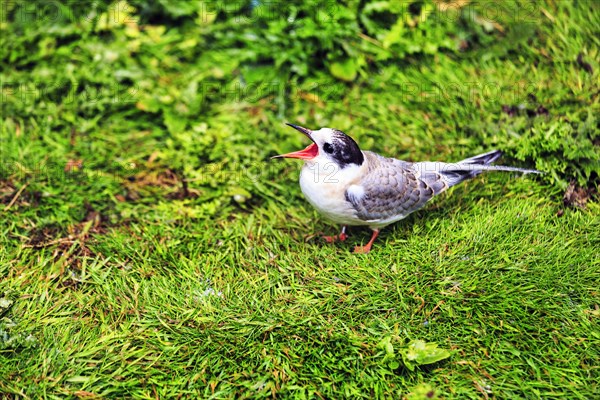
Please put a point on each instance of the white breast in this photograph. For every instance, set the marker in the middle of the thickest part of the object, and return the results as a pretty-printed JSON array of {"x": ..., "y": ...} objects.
[{"x": 324, "y": 186}]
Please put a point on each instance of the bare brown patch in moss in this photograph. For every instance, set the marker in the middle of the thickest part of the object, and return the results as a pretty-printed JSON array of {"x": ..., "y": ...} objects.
[
  {"x": 168, "y": 183},
  {"x": 576, "y": 196},
  {"x": 70, "y": 247},
  {"x": 14, "y": 195}
]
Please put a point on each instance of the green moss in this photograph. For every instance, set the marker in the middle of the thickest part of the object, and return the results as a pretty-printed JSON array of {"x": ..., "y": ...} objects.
[{"x": 149, "y": 247}]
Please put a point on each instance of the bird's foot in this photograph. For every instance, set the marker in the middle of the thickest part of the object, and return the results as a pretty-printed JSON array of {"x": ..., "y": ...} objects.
[
  {"x": 362, "y": 249},
  {"x": 341, "y": 237},
  {"x": 367, "y": 247},
  {"x": 331, "y": 239}
]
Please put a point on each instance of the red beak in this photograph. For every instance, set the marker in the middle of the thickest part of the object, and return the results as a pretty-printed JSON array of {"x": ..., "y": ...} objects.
[{"x": 310, "y": 152}]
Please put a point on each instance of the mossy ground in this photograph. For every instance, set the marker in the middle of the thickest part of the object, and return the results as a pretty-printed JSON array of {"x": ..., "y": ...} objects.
[{"x": 149, "y": 248}]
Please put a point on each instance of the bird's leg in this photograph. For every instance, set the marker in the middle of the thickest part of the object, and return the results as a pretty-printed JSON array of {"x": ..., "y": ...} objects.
[
  {"x": 341, "y": 237},
  {"x": 367, "y": 248},
  {"x": 342, "y": 234}
]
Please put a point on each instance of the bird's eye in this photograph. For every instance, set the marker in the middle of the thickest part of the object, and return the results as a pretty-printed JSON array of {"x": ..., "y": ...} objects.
[{"x": 328, "y": 148}]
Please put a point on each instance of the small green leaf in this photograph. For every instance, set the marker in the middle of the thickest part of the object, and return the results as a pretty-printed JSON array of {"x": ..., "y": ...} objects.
[
  {"x": 422, "y": 353},
  {"x": 433, "y": 355},
  {"x": 410, "y": 366},
  {"x": 386, "y": 345},
  {"x": 345, "y": 70},
  {"x": 175, "y": 123},
  {"x": 395, "y": 34}
]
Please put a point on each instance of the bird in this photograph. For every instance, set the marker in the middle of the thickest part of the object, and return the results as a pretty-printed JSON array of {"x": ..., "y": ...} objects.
[{"x": 352, "y": 187}]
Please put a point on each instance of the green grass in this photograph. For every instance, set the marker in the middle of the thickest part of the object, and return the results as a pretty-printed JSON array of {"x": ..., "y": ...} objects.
[{"x": 178, "y": 261}]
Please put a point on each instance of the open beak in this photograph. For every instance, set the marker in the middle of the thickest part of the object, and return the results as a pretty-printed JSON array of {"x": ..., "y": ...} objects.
[{"x": 310, "y": 152}]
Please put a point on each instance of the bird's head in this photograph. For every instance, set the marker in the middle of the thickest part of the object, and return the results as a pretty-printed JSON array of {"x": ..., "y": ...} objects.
[{"x": 328, "y": 145}]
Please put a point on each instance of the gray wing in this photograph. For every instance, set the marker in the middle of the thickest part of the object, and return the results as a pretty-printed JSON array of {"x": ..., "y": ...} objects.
[{"x": 391, "y": 188}]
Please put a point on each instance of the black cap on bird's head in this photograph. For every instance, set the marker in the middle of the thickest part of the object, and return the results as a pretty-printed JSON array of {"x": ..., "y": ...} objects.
[{"x": 329, "y": 145}]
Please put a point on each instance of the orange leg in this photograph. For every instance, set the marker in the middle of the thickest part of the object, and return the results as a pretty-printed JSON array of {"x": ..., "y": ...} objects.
[
  {"x": 341, "y": 237},
  {"x": 367, "y": 248}
]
